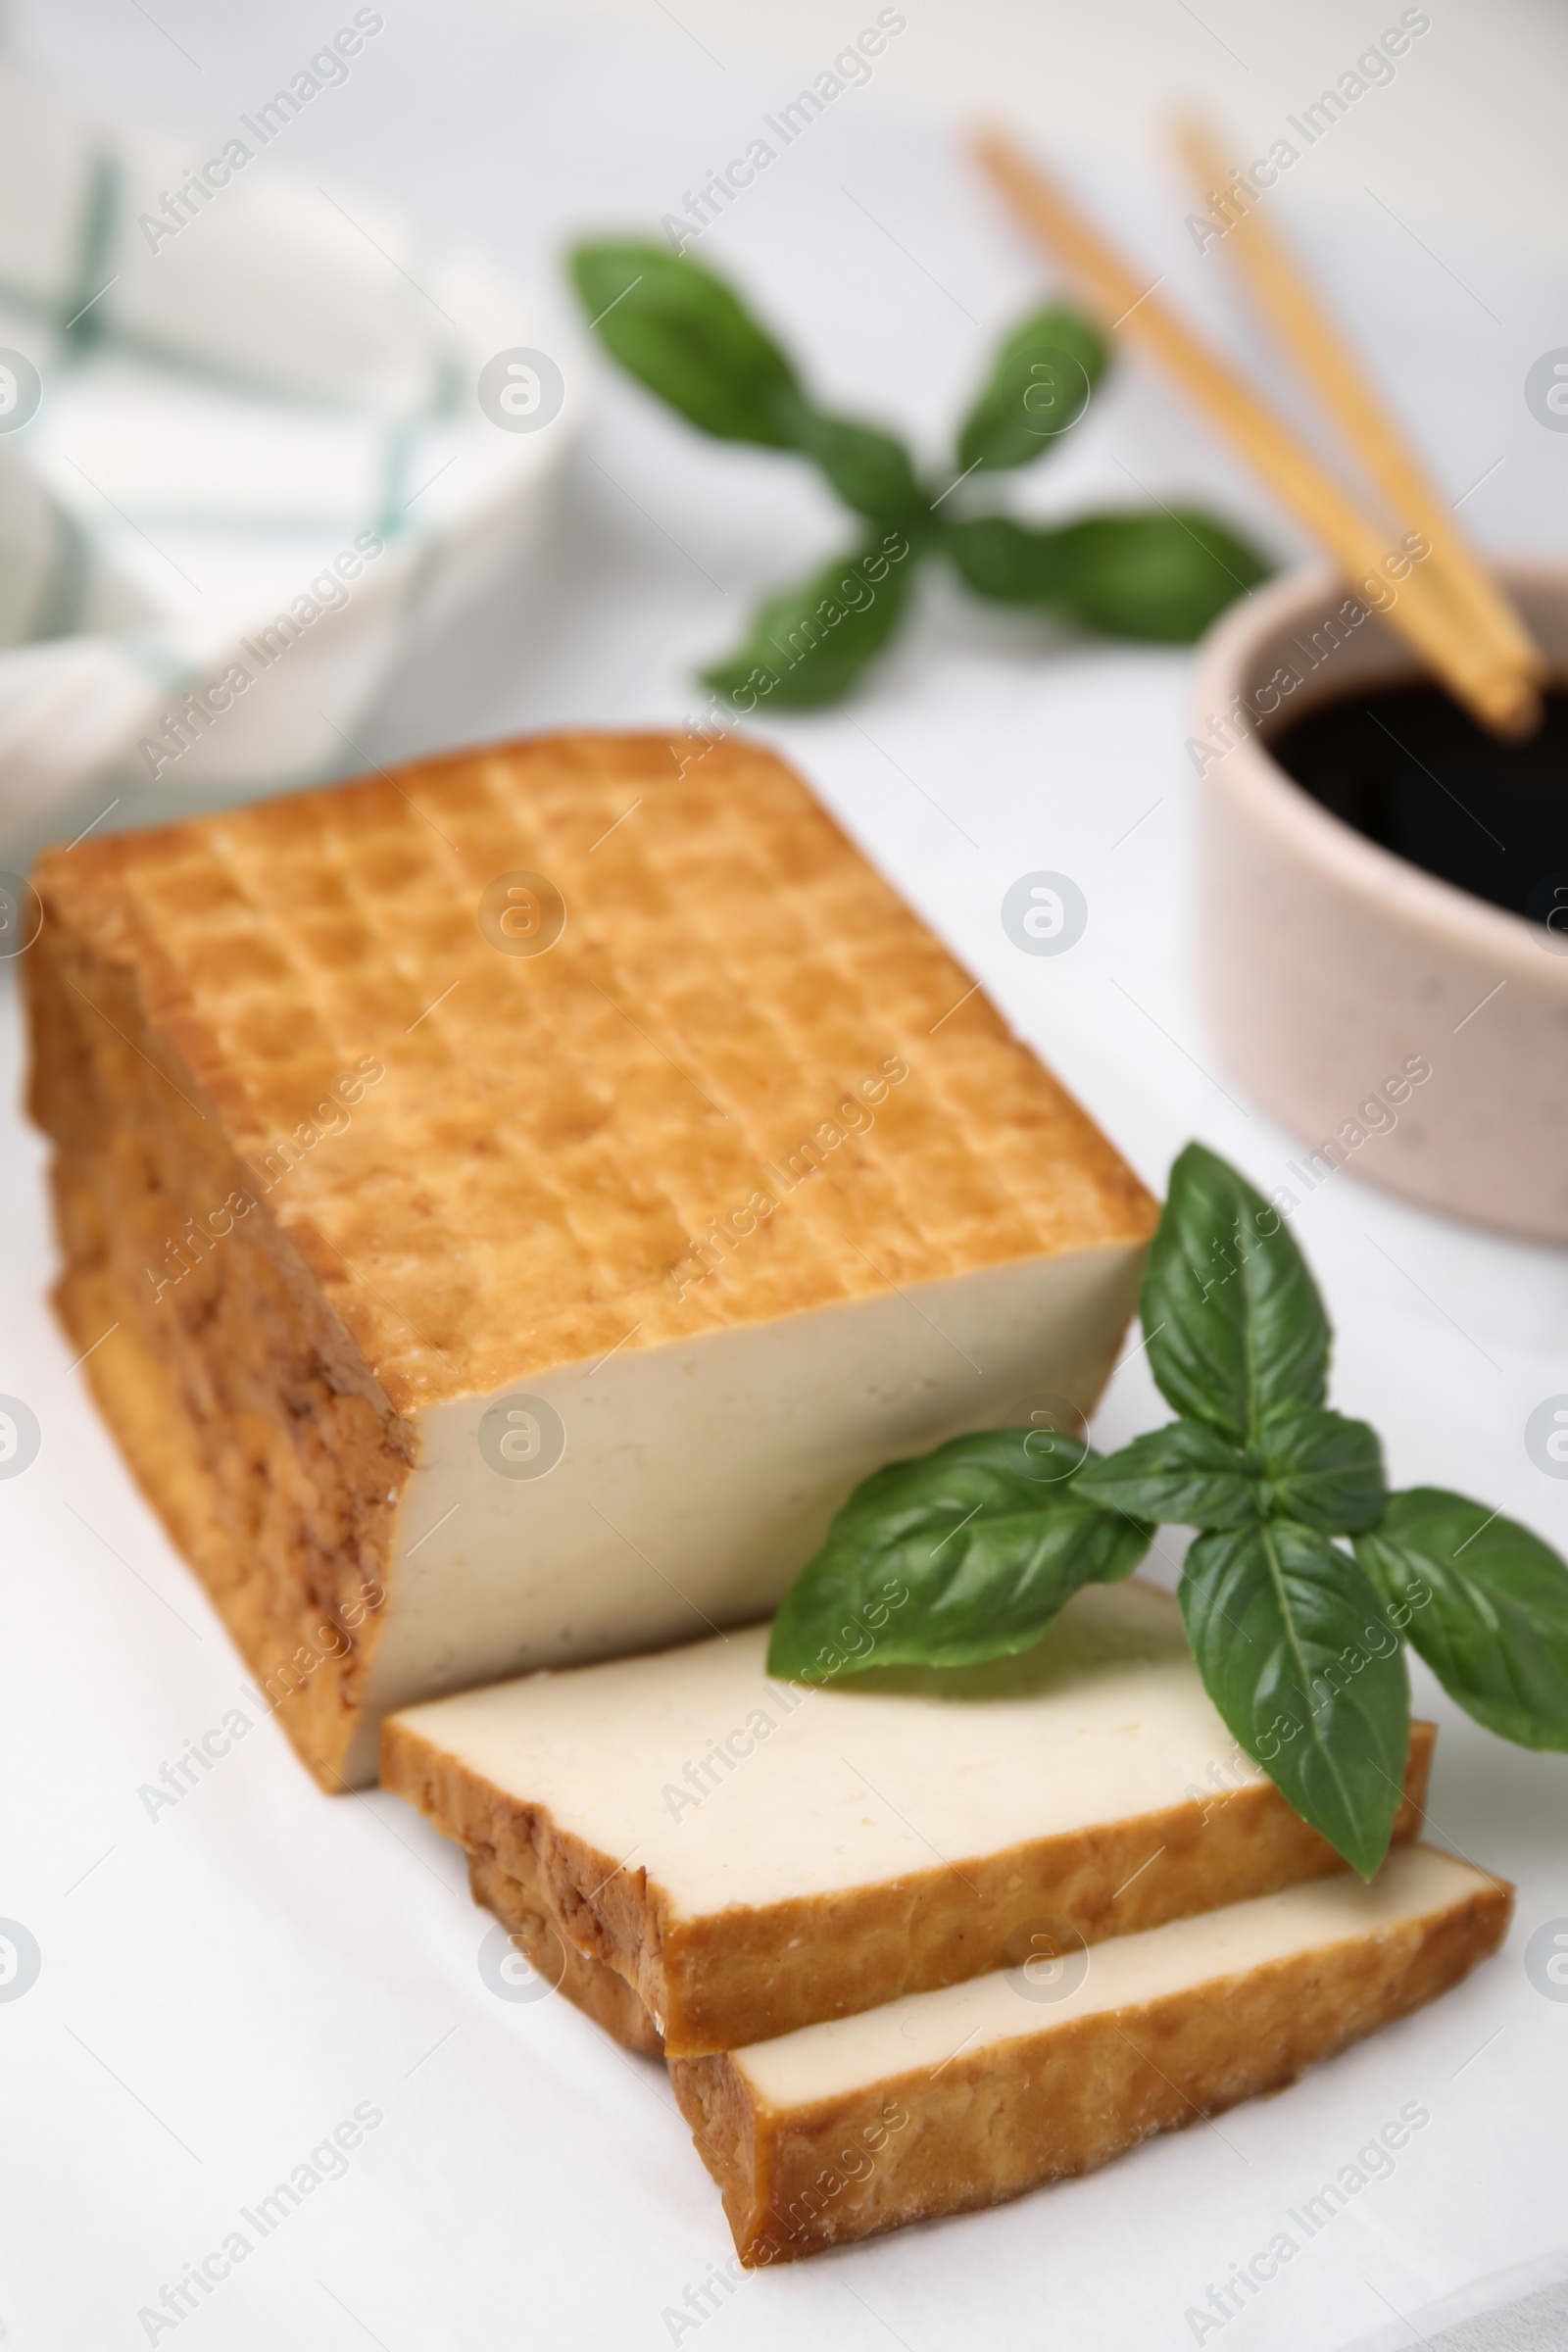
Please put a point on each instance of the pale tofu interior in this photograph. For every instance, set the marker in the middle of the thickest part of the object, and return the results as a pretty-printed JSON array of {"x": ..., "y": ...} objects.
[
  {"x": 696, "y": 1478},
  {"x": 813, "y": 1790},
  {"x": 710, "y": 1176},
  {"x": 923, "y": 2030}
]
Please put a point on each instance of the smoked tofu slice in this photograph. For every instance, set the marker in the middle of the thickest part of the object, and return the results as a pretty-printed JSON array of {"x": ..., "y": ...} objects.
[
  {"x": 751, "y": 1856},
  {"x": 507, "y": 1204},
  {"x": 946, "y": 2101}
]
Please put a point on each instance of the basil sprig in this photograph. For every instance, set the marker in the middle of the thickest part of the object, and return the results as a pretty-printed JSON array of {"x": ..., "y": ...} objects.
[
  {"x": 1309, "y": 1680},
  {"x": 1485, "y": 1603},
  {"x": 809, "y": 645},
  {"x": 1161, "y": 577},
  {"x": 682, "y": 331},
  {"x": 969, "y": 1552},
  {"x": 976, "y": 1546}
]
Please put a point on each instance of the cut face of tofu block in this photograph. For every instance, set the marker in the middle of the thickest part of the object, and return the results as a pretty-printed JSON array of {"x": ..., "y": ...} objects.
[
  {"x": 950, "y": 2101},
  {"x": 511, "y": 1203},
  {"x": 753, "y": 1857}
]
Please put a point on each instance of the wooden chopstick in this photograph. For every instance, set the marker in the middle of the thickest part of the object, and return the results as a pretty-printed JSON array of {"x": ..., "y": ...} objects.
[
  {"x": 1499, "y": 694},
  {"x": 1307, "y": 331}
]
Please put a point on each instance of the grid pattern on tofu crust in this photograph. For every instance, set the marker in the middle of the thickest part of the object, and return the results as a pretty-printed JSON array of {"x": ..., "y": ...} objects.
[
  {"x": 556, "y": 1129},
  {"x": 466, "y": 1165}
]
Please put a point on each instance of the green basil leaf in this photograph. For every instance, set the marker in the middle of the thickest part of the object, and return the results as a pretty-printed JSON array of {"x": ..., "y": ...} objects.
[
  {"x": 1040, "y": 386},
  {"x": 1485, "y": 1603},
  {"x": 1159, "y": 577},
  {"x": 682, "y": 331},
  {"x": 809, "y": 645},
  {"x": 870, "y": 470},
  {"x": 1006, "y": 560},
  {"x": 1294, "y": 1649},
  {"x": 1235, "y": 1328},
  {"x": 1186, "y": 1473},
  {"x": 1321, "y": 1469},
  {"x": 1310, "y": 1466},
  {"x": 964, "y": 1554}
]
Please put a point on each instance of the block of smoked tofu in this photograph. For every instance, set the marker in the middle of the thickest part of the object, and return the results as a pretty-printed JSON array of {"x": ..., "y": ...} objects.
[
  {"x": 950, "y": 2101},
  {"x": 509, "y": 1203},
  {"x": 751, "y": 1856}
]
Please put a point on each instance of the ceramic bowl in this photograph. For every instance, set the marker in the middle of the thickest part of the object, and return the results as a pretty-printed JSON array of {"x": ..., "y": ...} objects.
[
  {"x": 1396, "y": 1025},
  {"x": 300, "y": 428}
]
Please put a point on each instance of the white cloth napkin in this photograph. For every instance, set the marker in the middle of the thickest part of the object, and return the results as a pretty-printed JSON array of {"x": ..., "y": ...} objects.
[{"x": 242, "y": 458}]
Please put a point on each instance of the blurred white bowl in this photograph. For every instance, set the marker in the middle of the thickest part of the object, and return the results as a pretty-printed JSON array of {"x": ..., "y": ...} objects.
[{"x": 250, "y": 463}]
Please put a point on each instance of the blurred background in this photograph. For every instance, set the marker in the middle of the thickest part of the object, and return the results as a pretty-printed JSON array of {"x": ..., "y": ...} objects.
[
  {"x": 301, "y": 362},
  {"x": 410, "y": 219},
  {"x": 226, "y": 409}
]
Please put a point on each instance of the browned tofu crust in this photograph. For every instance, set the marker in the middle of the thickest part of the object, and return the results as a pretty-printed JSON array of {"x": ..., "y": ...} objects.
[
  {"x": 596, "y": 1991},
  {"x": 747, "y": 1974},
  {"x": 1010, "y": 2116},
  {"x": 327, "y": 1154}
]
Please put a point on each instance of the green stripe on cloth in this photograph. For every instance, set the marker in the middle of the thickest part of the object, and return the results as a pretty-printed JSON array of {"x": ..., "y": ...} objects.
[
  {"x": 83, "y": 319},
  {"x": 63, "y": 588}
]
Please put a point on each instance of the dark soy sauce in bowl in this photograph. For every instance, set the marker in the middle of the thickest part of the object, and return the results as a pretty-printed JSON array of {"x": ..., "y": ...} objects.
[{"x": 1408, "y": 769}]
